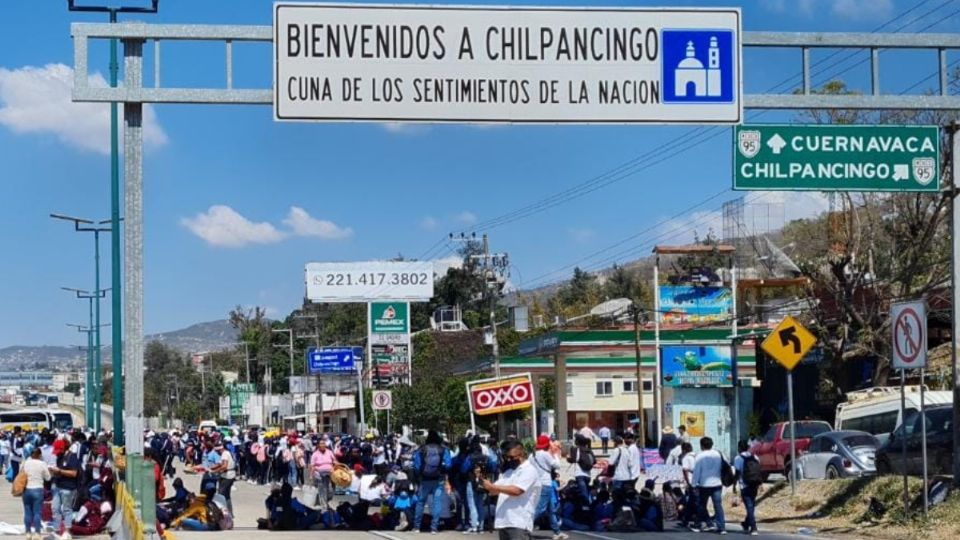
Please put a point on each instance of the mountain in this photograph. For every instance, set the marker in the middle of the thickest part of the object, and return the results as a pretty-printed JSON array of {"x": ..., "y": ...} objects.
[{"x": 201, "y": 337}]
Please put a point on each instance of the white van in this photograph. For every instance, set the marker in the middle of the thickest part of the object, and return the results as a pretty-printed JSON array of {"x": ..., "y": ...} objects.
[
  {"x": 208, "y": 425},
  {"x": 877, "y": 410}
]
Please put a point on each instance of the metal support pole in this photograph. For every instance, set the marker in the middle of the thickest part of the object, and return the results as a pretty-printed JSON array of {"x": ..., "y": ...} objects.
[
  {"x": 733, "y": 360},
  {"x": 97, "y": 358},
  {"x": 363, "y": 419},
  {"x": 91, "y": 388},
  {"x": 923, "y": 435},
  {"x": 658, "y": 379},
  {"x": 115, "y": 267},
  {"x": 955, "y": 305},
  {"x": 641, "y": 418},
  {"x": 133, "y": 248},
  {"x": 903, "y": 441},
  {"x": 793, "y": 436}
]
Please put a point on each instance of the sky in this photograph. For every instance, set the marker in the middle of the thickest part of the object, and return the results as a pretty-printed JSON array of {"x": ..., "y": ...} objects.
[{"x": 235, "y": 203}]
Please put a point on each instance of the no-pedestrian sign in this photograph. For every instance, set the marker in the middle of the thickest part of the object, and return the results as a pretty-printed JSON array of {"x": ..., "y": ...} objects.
[
  {"x": 792, "y": 157},
  {"x": 909, "y": 334},
  {"x": 382, "y": 400}
]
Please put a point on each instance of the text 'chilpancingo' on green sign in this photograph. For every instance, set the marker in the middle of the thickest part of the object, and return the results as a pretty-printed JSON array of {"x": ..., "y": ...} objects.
[{"x": 827, "y": 157}]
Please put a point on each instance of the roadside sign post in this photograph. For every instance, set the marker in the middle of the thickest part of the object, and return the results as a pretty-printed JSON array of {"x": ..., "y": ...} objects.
[
  {"x": 909, "y": 351},
  {"x": 788, "y": 344},
  {"x": 791, "y": 157}
]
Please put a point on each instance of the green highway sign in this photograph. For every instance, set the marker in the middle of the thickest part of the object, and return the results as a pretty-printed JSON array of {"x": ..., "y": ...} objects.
[{"x": 794, "y": 157}]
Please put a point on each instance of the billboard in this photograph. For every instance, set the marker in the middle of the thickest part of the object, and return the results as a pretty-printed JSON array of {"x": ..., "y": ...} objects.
[
  {"x": 690, "y": 304},
  {"x": 492, "y": 396},
  {"x": 506, "y": 64},
  {"x": 696, "y": 365},
  {"x": 238, "y": 394},
  {"x": 367, "y": 281}
]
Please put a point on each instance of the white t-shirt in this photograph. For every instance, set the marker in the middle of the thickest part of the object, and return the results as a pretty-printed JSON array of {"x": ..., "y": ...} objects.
[
  {"x": 706, "y": 469},
  {"x": 673, "y": 458},
  {"x": 544, "y": 462},
  {"x": 687, "y": 462},
  {"x": 517, "y": 512},
  {"x": 369, "y": 493},
  {"x": 226, "y": 458}
]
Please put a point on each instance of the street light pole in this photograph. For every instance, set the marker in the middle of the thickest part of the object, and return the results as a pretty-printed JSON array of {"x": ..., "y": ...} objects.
[
  {"x": 86, "y": 225},
  {"x": 118, "y": 435}
]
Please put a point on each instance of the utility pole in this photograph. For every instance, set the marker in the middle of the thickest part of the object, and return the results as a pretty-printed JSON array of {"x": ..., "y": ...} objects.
[
  {"x": 493, "y": 268},
  {"x": 955, "y": 244}
]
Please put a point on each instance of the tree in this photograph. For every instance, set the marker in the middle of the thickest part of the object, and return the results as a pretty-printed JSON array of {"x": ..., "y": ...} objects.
[{"x": 872, "y": 250}]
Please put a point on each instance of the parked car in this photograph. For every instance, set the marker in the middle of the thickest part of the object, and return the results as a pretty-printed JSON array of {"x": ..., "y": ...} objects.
[
  {"x": 773, "y": 450},
  {"x": 839, "y": 454},
  {"x": 877, "y": 410},
  {"x": 940, "y": 419}
]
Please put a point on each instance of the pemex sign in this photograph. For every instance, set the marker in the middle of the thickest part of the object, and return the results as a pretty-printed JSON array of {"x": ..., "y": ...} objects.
[{"x": 791, "y": 157}]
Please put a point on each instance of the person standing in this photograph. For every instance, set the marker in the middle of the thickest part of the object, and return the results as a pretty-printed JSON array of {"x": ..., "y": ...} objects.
[
  {"x": 321, "y": 466},
  {"x": 517, "y": 491},
  {"x": 4, "y": 452},
  {"x": 549, "y": 501},
  {"x": 37, "y": 473},
  {"x": 636, "y": 456},
  {"x": 625, "y": 471},
  {"x": 228, "y": 474},
  {"x": 16, "y": 450},
  {"x": 604, "y": 433},
  {"x": 582, "y": 456},
  {"x": 682, "y": 434},
  {"x": 66, "y": 480},
  {"x": 668, "y": 441},
  {"x": 750, "y": 478},
  {"x": 431, "y": 463},
  {"x": 707, "y": 480}
]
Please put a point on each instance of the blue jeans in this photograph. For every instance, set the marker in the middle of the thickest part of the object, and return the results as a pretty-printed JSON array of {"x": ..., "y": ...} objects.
[
  {"x": 191, "y": 524},
  {"x": 62, "y": 508},
  {"x": 548, "y": 503},
  {"x": 292, "y": 474},
  {"x": 427, "y": 488},
  {"x": 32, "y": 505},
  {"x": 583, "y": 483},
  {"x": 749, "y": 496},
  {"x": 476, "y": 502},
  {"x": 714, "y": 494}
]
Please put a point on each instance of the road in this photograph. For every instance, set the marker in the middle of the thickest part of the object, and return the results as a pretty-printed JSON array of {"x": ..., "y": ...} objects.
[{"x": 248, "y": 506}]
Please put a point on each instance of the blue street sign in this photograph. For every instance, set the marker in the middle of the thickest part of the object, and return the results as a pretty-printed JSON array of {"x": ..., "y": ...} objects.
[{"x": 332, "y": 359}]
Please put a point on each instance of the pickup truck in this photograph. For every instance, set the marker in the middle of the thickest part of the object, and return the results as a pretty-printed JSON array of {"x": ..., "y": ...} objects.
[{"x": 773, "y": 450}]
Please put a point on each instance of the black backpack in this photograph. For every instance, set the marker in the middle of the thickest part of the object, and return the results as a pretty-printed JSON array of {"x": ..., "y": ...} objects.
[
  {"x": 727, "y": 476},
  {"x": 752, "y": 472}
]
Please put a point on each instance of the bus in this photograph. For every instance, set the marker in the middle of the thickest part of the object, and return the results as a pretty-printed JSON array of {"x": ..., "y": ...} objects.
[
  {"x": 877, "y": 410},
  {"x": 36, "y": 419}
]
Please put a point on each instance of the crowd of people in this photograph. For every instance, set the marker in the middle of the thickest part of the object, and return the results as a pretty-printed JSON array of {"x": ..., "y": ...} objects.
[
  {"x": 66, "y": 480},
  {"x": 387, "y": 482}
]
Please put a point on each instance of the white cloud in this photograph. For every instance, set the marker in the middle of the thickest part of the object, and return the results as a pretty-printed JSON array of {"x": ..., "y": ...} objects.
[
  {"x": 223, "y": 226},
  {"x": 303, "y": 224},
  {"x": 428, "y": 223},
  {"x": 440, "y": 266},
  {"x": 38, "y": 100},
  {"x": 467, "y": 218},
  {"x": 581, "y": 236},
  {"x": 406, "y": 128},
  {"x": 851, "y": 10}
]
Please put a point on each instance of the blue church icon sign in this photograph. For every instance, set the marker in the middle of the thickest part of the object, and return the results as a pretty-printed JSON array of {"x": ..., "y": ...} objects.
[{"x": 698, "y": 66}]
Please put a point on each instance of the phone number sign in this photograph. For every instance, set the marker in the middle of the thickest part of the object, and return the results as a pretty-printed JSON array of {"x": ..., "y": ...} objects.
[{"x": 373, "y": 280}]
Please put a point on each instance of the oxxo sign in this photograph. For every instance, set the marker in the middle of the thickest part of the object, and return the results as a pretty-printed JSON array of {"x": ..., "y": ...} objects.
[
  {"x": 492, "y": 396},
  {"x": 506, "y": 64}
]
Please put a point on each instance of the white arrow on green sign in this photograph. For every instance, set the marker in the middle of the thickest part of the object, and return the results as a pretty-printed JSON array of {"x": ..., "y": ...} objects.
[{"x": 797, "y": 157}]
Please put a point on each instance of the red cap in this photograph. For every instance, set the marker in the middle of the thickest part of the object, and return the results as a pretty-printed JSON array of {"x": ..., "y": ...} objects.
[
  {"x": 60, "y": 446},
  {"x": 543, "y": 442}
]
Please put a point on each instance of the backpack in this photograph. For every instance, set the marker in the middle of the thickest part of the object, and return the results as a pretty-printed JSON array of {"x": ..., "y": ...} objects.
[
  {"x": 611, "y": 469},
  {"x": 586, "y": 460},
  {"x": 261, "y": 453},
  {"x": 431, "y": 462},
  {"x": 727, "y": 477},
  {"x": 752, "y": 472}
]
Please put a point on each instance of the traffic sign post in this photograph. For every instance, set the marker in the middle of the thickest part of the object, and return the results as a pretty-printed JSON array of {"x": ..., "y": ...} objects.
[
  {"x": 908, "y": 334},
  {"x": 788, "y": 344},
  {"x": 794, "y": 157},
  {"x": 382, "y": 400}
]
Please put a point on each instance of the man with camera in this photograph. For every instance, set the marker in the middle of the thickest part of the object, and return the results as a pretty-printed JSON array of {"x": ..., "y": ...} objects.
[{"x": 517, "y": 491}]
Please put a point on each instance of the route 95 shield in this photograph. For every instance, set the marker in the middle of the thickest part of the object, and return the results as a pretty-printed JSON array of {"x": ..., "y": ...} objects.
[
  {"x": 748, "y": 142},
  {"x": 923, "y": 170}
]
